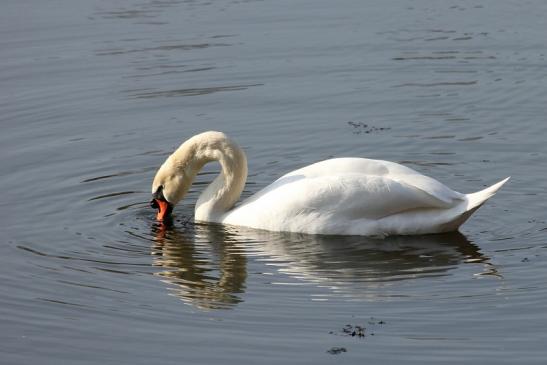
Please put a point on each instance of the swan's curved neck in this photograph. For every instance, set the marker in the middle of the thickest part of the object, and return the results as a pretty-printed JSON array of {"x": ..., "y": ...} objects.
[{"x": 221, "y": 195}]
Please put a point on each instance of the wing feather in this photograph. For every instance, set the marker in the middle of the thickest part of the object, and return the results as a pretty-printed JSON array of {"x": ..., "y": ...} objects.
[{"x": 387, "y": 169}]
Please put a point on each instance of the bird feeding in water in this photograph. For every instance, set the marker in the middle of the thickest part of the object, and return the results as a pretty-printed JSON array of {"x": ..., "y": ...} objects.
[{"x": 339, "y": 196}]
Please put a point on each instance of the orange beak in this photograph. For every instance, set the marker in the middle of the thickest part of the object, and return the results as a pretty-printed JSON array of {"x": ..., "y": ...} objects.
[{"x": 164, "y": 210}]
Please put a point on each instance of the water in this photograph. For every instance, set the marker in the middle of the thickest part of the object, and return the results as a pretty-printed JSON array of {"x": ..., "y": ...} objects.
[{"x": 95, "y": 94}]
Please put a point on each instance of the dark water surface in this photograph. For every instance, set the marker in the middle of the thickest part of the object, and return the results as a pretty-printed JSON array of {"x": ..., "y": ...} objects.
[{"x": 95, "y": 94}]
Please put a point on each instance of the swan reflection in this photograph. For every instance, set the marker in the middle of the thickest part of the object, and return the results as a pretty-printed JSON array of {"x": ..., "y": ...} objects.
[
  {"x": 207, "y": 269},
  {"x": 208, "y": 263}
]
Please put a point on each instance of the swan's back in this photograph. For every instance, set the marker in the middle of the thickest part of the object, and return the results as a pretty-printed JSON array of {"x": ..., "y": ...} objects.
[
  {"x": 350, "y": 196},
  {"x": 380, "y": 168}
]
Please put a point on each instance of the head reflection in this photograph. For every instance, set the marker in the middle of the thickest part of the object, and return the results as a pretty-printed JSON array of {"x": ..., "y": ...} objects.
[{"x": 208, "y": 263}]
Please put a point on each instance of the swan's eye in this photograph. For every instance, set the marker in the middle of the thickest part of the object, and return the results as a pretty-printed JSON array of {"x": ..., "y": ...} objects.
[{"x": 159, "y": 193}]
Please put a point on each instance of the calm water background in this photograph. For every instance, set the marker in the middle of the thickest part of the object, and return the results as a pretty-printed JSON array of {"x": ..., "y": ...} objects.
[{"x": 95, "y": 94}]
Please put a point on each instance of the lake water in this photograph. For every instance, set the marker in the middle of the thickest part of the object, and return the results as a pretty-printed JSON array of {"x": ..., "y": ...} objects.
[{"x": 95, "y": 94}]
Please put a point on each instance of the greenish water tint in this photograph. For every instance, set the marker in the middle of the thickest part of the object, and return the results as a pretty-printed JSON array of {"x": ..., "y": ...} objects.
[{"x": 96, "y": 94}]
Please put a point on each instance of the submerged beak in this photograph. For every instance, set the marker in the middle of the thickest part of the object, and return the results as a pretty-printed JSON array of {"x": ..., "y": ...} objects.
[{"x": 164, "y": 209}]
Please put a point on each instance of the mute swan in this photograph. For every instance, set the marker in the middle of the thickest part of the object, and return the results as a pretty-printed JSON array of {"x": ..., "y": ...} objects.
[{"x": 340, "y": 196}]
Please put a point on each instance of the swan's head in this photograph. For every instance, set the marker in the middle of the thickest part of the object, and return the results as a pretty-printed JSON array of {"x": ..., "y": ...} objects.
[{"x": 168, "y": 188}]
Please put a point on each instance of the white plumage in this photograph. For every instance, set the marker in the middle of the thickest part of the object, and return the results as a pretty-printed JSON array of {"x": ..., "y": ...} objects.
[{"x": 342, "y": 196}]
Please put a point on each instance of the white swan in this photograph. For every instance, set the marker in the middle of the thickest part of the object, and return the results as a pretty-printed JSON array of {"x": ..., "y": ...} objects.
[{"x": 342, "y": 196}]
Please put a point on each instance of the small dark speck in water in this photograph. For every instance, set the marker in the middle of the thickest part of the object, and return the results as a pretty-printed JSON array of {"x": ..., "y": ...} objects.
[
  {"x": 373, "y": 321},
  {"x": 350, "y": 330},
  {"x": 360, "y": 127},
  {"x": 526, "y": 259},
  {"x": 337, "y": 350}
]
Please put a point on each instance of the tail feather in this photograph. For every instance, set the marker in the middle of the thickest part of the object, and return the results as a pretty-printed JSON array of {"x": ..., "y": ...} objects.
[
  {"x": 477, "y": 199},
  {"x": 474, "y": 201}
]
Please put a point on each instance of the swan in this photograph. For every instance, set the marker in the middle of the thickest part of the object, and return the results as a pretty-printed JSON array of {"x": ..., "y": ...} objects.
[{"x": 339, "y": 196}]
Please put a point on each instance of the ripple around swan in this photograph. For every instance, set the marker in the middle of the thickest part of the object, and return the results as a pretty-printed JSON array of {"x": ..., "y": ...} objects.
[{"x": 211, "y": 267}]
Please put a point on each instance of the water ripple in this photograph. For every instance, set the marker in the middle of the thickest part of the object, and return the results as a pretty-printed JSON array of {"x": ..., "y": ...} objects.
[
  {"x": 190, "y": 92},
  {"x": 167, "y": 47}
]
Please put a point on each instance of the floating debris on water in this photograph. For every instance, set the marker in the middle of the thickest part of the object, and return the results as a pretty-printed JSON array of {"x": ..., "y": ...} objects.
[
  {"x": 360, "y": 127},
  {"x": 337, "y": 350},
  {"x": 359, "y": 331},
  {"x": 350, "y": 330},
  {"x": 374, "y": 321}
]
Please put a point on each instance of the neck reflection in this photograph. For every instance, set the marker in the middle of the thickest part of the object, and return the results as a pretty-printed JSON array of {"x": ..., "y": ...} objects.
[{"x": 202, "y": 263}]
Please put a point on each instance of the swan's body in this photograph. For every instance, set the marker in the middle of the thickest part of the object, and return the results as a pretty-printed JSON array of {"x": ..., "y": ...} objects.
[{"x": 350, "y": 196}]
